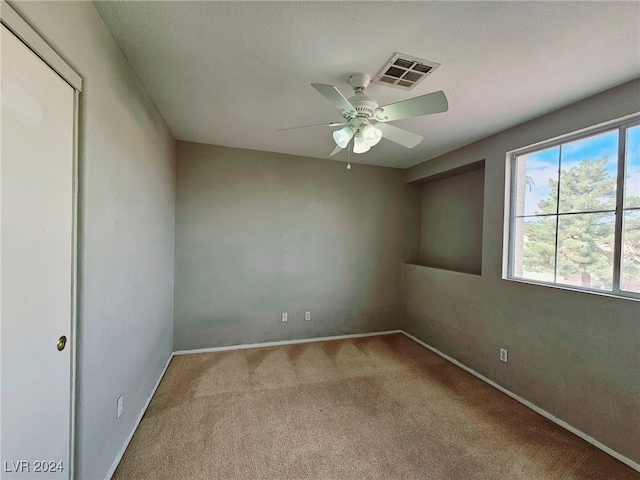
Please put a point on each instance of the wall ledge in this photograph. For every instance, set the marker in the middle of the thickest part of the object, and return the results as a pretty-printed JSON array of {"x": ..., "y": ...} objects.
[{"x": 445, "y": 269}]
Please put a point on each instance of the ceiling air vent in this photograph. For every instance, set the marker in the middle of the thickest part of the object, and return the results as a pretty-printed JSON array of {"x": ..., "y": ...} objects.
[{"x": 404, "y": 71}]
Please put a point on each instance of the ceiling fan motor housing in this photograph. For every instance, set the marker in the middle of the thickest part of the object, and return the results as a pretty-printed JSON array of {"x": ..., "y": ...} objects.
[{"x": 364, "y": 105}]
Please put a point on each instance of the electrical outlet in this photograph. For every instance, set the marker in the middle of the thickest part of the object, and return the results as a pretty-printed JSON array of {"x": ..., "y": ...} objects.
[
  {"x": 307, "y": 315},
  {"x": 504, "y": 354},
  {"x": 120, "y": 406},
  {"x": 284, "y": 316}
]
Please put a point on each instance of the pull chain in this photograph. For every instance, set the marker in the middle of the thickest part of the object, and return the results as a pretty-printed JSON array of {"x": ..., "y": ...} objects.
[{"x": 349, "y": 156}]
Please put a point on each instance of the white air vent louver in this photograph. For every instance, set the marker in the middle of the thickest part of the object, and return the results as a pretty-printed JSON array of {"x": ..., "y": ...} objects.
[{"x": 404, "y": 71}]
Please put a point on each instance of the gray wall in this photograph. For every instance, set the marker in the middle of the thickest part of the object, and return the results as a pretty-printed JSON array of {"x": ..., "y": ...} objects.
[
  {"x": 576, "y": 355},
  {"x": 259, "y": 233},
  {"x": 451, "y": 222},
  {"x": 126, "y": 241}
]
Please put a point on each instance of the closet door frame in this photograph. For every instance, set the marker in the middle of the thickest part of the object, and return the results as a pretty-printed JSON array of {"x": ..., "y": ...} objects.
[{"x": 30, "y": 37}]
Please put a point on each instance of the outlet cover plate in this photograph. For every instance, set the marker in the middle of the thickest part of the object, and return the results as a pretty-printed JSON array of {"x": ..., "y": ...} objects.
[
  {"x": 504, "y": 355},
  {"x": 120, "y": 406}
]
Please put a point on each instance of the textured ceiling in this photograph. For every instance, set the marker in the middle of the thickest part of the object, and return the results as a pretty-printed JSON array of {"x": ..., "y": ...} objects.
[{"x": 231, "y": 73}]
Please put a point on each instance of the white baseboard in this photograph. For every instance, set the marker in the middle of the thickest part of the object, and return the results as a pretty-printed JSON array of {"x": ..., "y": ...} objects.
[
  {"x": 535, "y": 408},
  {"x": 284, "y": 342},
  {"x": 116, "y": 461}
]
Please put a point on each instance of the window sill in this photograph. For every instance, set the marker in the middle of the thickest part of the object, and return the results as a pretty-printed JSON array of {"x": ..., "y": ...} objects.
[{"x": 603, "y": 293}]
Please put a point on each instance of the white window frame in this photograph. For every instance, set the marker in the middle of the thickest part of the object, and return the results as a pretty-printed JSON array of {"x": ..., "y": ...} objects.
[{"x": 622, "y": 125}]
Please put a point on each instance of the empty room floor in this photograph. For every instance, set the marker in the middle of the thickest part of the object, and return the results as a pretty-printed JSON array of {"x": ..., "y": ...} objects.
[{"x": 381, "y": 407}]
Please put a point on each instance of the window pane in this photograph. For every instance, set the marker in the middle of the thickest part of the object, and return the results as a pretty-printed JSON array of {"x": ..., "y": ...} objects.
[
  {"x": 632, "y": 182},
  {"x": 585, "y": 250},
  {"x": 534, "y": 248},
  {"x": 536, "y": 180},
  {"x": 630, "y": 268},
  {"x": 589, "y": 171}
]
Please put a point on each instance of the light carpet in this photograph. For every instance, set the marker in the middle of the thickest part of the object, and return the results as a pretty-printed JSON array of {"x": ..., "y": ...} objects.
[{"x": 379, "y": 407}]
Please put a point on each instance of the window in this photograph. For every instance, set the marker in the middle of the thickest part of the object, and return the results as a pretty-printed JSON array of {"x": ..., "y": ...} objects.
[{"x": 575, "y": 211}]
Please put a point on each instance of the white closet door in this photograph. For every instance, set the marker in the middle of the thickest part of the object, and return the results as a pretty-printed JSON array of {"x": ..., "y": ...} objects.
[{"x": 36, "y": 259}]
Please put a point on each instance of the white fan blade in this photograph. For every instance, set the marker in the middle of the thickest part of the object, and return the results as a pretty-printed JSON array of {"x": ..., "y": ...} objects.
[
  {"x": 399, "y": 135},
  {"x": 335, "y": 150},
  {"x": 435, "y": 102},
  {"x": 332, "y": 124},
  {"x": 335, "y": 97}
]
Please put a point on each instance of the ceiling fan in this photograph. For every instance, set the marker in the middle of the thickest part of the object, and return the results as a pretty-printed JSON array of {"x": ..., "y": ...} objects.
[{"x": 367, "y": 123}]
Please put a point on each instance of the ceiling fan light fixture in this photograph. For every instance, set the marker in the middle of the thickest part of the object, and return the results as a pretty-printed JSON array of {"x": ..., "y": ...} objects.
[
  {"x": 366, "y": 122},
  {"x": 371, "y": 135},
  {"x": 359, "y": 144},
  {"x": 343, "y": 136}
]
